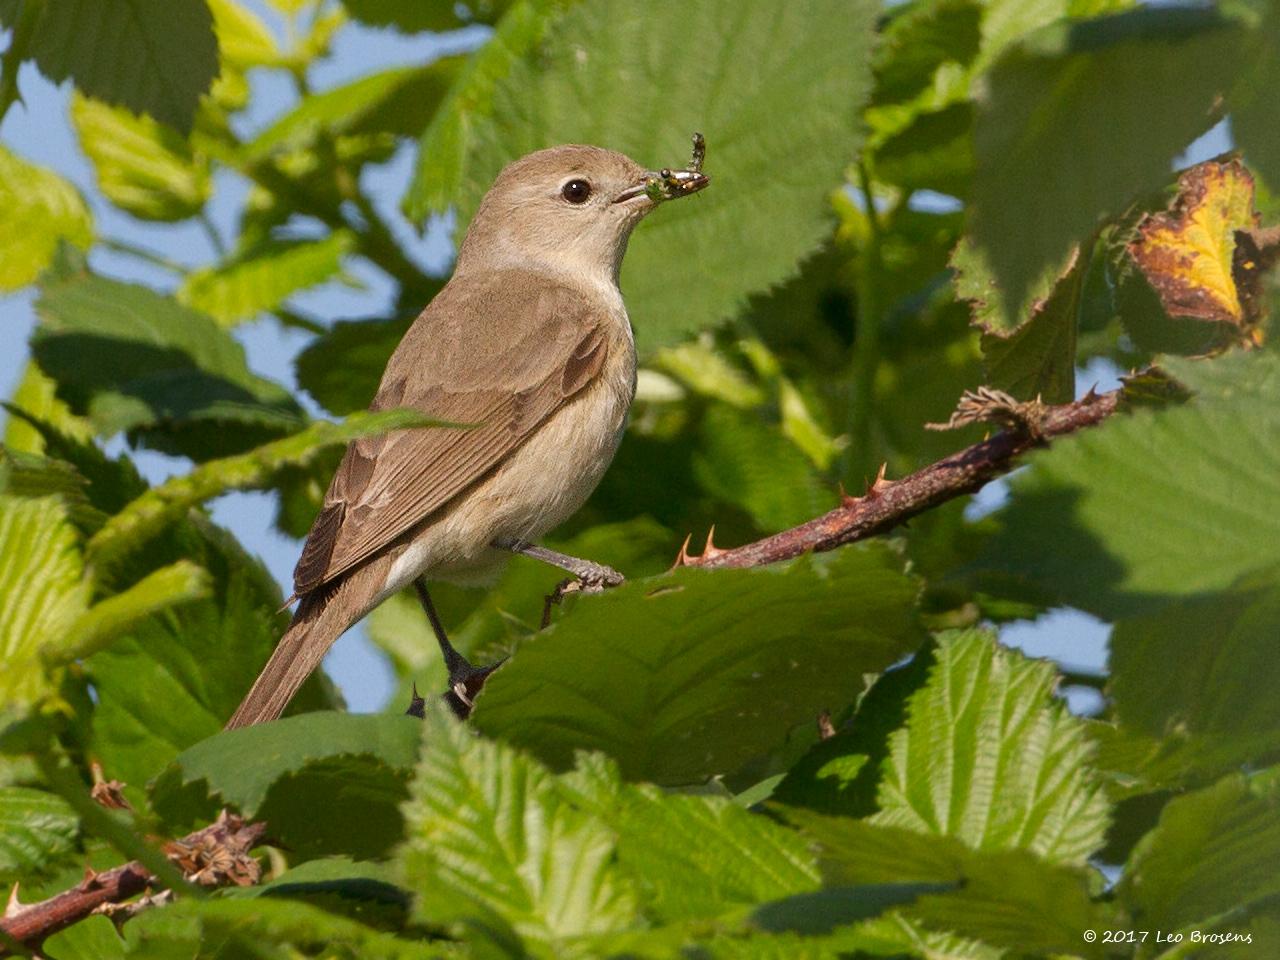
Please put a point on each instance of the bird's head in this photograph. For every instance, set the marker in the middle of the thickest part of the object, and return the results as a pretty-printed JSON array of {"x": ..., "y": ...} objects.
[{"x": 568, "y": 209}]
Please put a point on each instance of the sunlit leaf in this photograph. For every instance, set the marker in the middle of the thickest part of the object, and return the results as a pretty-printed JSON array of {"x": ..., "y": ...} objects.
[
  {"x": 989, "y": 756},
  {"x": 262, "y": 279},
  {"x": 493, "y": 839},
  {"x": 37, "y": 209},
  {"x": 36, "y": 828},
  {"x": 41, "y": 592},
  {"x": 357, "y": 106},
  {"x": 142, "y": 166}
]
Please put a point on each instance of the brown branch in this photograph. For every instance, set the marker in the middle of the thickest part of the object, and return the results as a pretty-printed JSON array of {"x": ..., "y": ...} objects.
[
  {"x": 214, "y": 856},
  {"x": 889, "y": 503}
]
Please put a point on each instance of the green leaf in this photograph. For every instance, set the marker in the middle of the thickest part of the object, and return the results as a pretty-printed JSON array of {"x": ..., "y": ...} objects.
[
  {"x": 41, "y": 593},
  {"x": 746, "y": 462},
  {"x": 449, "y": 141},
  {"x": 262, "y": 279},
  {"x": 1251, "y": 124},
  {"x": 151, "y": 56},
  {"x": 821, "y": 912},
  {"x": 1216, "y": 704},
  {"x": 749, "y": 231},
  {"x": 934, "y": 153},
  {"x": 695, "y": 674},
  {"x": 1213, "y": 851},
  {"x": 258, "y": 926},
  {"x": 142, "y": 166},
  {"x": 37, "y": 209},
  {"x": 360, "y": 764},
  {"x": 108, "y": 619},
  {"x": 36, "y": 396},
  {"x": 494, "y": 841},
  {"x": 175, "y": 679},
  {"x": 1031, "y": 351},
  {"x": 162, "y": 505},
  {"x": 989, "y": 756},
  {"x": 1150, "y": 506},
  {"x": 341, "y": 369},
  {"x": 377, "y": 101},
  {"x": 694, "y": 857},
  {"x": 841, "y": 774},
  {"x": 1007, "y": 898},
  {"x": 93, "y": 938},
  {"x": 917, "y": 40},
  {"x": 135, "y": 360},
  {"x": 244, "y": 41},
  {"x": 1082, "y": 117},
  {"x": 36, "y": 828}
]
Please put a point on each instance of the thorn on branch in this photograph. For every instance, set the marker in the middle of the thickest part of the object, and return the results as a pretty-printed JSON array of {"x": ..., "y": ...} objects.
[{"x": 709, "y": 552}]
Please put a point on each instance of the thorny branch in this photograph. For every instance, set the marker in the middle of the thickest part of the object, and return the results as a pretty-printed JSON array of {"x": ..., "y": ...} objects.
[
  {"x": 214, "y": 856},
  {"x": 888, "y": 503}
]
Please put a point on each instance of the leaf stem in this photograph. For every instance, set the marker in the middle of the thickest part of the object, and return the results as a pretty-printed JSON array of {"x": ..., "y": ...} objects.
[
  {"x": 211, "y": 231},
  {"x": 142, "y": 253},
  {"x": 866, "y": 339}
]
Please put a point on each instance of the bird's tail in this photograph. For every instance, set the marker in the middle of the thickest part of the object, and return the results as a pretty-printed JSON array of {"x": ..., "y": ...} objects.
[{"x": 322, "y": 617}]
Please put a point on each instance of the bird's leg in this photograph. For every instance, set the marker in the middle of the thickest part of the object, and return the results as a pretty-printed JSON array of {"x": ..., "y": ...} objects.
[
  {"x": 588, "y": 576},
  {"x": 594, "y": 576},
  {"x": 465, "y": 680}
]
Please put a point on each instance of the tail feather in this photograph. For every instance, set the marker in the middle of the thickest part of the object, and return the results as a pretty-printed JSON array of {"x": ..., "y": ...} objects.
[{"x": 322, "y": 617}]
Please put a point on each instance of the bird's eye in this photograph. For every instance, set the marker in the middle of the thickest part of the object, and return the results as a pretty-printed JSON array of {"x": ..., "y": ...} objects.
[{"x": 576, "y": 191}]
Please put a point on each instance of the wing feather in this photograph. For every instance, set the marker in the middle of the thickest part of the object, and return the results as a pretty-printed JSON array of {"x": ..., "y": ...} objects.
[{"x": 552, "y": 345}]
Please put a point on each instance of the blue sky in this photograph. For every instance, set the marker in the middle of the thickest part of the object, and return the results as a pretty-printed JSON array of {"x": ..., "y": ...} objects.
[{"x": 41, "y": 133}]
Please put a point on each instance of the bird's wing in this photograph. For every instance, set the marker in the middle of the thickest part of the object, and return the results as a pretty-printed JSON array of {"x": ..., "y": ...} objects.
[{"x": 501, "y": 353}]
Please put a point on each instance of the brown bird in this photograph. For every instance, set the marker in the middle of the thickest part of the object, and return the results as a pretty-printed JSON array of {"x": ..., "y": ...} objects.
[{"x": 530, "y": 345}]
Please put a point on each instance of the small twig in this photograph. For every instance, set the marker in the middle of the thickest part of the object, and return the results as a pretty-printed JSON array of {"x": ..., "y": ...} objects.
[
  {"x": 886, "y": 504},
  {"x": 216, "y": 855}
]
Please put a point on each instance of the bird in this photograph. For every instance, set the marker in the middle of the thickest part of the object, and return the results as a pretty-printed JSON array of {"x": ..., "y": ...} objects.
[{"x": 528, "y": 353}]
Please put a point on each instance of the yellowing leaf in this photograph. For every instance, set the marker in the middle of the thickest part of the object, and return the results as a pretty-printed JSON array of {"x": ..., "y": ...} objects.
[
  {"x": 1186, "y": 252},
  {"x": 37, "y": 209},
  {"x": 243, "y": 39}
]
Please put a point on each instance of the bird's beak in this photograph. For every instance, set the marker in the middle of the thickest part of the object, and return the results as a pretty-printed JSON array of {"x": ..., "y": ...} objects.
[{"x": 665, "y": 185}]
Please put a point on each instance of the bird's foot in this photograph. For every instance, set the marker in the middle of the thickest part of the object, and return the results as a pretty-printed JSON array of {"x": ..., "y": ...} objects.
[{"x": 590, "y": 578}]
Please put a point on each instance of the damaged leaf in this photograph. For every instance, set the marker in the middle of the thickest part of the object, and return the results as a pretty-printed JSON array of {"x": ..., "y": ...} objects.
[{"x": 1188, "y": 252}]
